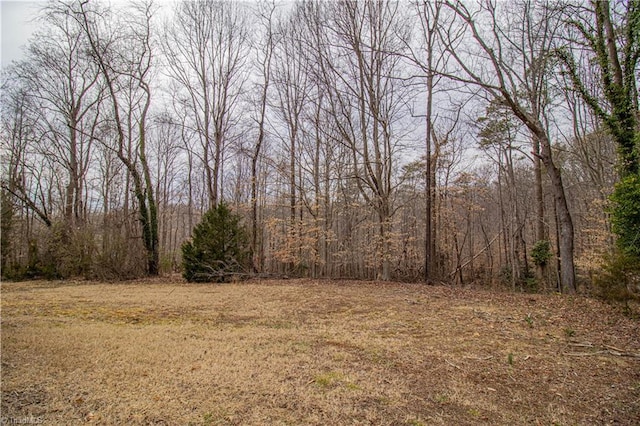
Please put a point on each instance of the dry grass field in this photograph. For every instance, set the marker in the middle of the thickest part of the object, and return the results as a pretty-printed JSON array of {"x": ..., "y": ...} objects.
[{"x": 161, "y": 352}]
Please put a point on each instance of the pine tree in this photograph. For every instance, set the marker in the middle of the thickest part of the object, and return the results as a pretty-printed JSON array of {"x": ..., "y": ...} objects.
[{"x": 219, "y": 248}]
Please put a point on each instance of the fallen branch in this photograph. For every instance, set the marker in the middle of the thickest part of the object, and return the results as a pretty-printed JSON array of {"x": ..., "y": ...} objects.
[
  {"x": 476, "y": 255},
  {"x": 582, "y": 345},
  {"x": 452, "y": 364},
  {"x": 609, "y": 350},
  {"x": 477, "y": 358},
  {"x": 584, "y": 353},
  {"x": 613, "y": 348}
]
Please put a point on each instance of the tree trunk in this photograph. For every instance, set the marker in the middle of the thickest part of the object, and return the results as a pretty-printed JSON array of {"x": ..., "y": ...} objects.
[
  {"x": 565, "y": 223},
  {"x": 384, "y": 273},
  {"x": 150, "y": 222},
  {"x": 146, "y": 215},
  {"x": 541, "y": 231},
  {"x": 429, "y": 235},
  {"x": 256, "y": 255}
]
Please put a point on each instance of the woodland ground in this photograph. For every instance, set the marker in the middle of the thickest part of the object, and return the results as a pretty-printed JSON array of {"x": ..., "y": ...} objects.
[{"x": 162, "y": 352}]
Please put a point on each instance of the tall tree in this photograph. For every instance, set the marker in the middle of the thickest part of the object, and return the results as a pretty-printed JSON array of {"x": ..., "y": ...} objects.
[
  {"x": 498, "y": 133},
  {"x": 125, "y": 60},
  {"x": 512, "y": 67},
  {"x": 21, "y": 138},
  {"x": 430, "y": 59},
  {"x": 63, "y": 82},
  {"x": 430, "y": 19},
  {"x": 207, "y": 48},
  {"x": 606, "y": 37},
  {"x": 368, "y": 103},
  {"x": 264, "y": 49},
  {"x": 292, "y": 89}
]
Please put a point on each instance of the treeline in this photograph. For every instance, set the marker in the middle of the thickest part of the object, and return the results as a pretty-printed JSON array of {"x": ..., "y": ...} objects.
[{"x": 442, "y": 141}]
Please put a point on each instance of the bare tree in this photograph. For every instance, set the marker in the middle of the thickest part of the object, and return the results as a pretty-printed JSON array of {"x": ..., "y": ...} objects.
[
  {"x": 429, "y": 60},
  {"x": 64, "y": 82},
  {"x": 125, "y": 62},
  {"x": 292, "y": 89},
  {"x": 368, "y": 102},
  {"x": 165, "y": 149},
  {"x": 206, "y": 50},
  {"x": 23, "y": 167},
  {"x": 264, "y": 49},
  {"x": 515, "y": 58},
  {"x": 61, "y": 90},
  {"x": 498, "y": 137}
]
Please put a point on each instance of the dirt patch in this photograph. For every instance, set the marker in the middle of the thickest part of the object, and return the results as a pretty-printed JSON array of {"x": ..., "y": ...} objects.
[{"x": 312, "y": 352}]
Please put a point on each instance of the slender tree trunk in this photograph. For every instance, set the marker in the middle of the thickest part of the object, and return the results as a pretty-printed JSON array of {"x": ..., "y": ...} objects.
[
  {"x": 384, "y": 229},
  {"x": 293, "y": 228},
  {"x": 255, "y": 240},
  {"x": 504, "y": 252},
  {"x": 217, "y": 168},
  {"x": 541, "y": 229},
  {"x": 72, "y": 187},
  {"x": 317, "y": 219},
  {"x": 429, "y": 235},
  {"x": 255, "y": 251},
  {"x": 541, "y": 233}
]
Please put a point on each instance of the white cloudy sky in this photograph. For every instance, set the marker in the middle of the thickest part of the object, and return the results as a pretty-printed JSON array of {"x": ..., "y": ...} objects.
[
  {"x": 16, "y": 27},
  {"x": 17, "y": 24}
]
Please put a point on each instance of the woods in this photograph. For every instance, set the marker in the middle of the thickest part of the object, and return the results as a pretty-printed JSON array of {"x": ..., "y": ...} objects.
[{"x": 486, "y": 143}]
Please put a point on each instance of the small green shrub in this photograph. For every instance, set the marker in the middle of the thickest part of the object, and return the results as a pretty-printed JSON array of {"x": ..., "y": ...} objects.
[
  {"x": 619, "y": 280},
  {"x": 219, "y": 248},
  {"x": 529, "y": 320},
  {"x": 625, "y": 215},
  {"x": 530, "y": 283},
  {"x": 505, "y": 275},
  {"x": 541, "y": 253}
]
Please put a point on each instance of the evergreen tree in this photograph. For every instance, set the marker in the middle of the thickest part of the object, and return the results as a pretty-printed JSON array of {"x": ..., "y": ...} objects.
[{"x": 219, "y": 248}]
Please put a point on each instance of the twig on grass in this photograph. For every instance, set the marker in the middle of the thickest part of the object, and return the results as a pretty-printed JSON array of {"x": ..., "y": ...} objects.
[
  {"x": 584, "y": 353},
  {"x": 479, "y": 358},
  {"x": 452, "y": 364},
  {"x": 606, "y": 349},
  {"x": 582, "y": 345}
]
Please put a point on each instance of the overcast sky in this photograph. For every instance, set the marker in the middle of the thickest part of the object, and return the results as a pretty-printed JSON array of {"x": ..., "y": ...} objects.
[{"x": 16, "y": 27}]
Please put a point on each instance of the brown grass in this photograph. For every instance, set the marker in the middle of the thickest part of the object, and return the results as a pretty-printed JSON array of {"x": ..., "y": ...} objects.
[{"x": 307, "y": 352}]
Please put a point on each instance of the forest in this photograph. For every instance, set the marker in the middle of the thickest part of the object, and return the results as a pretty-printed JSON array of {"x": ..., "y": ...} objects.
[{"x": 489, "y": 143}]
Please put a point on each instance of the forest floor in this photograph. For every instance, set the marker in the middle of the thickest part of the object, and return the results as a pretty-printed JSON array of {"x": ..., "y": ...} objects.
[{"x": 162, "y": 352}]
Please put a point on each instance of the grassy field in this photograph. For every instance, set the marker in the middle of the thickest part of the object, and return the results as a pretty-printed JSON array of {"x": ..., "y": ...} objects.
[{"x": 162, "y": 352}]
